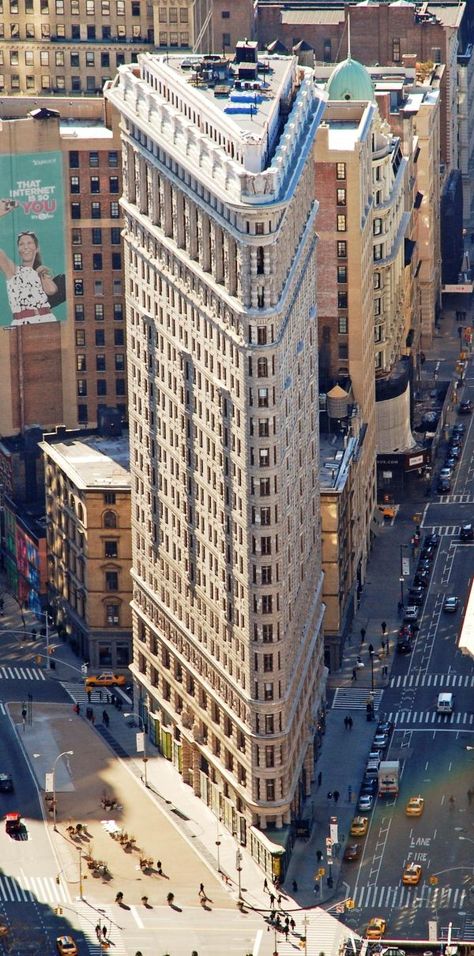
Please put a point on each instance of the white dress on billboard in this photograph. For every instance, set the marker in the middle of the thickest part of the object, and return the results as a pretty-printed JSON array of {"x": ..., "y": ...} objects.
[{"x": 28, "y": 300}]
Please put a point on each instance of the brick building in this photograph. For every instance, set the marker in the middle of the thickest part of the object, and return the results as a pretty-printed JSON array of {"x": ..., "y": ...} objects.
[
  {"x": 81, "y": 358},
  {"x": 380, "y": 34},
  {"x": 87, "y": 485}
]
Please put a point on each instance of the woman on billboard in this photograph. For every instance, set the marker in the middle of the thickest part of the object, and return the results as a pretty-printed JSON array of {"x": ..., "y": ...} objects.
[{"x": 30, "y": 283}]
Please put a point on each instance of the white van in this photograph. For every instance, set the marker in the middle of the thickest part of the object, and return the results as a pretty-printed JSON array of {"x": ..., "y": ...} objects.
[{"x": 445, "y": 703}]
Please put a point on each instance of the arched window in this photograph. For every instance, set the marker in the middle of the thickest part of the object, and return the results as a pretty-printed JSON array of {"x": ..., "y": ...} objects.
[{"x": 110, "y": 519}]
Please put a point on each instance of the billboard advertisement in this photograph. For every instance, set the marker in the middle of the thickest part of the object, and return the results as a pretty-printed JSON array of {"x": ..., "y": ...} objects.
[{"x": 32, "y": 246}]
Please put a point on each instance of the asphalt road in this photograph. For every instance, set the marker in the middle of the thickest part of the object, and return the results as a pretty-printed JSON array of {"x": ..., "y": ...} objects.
[{"x": 433, "y": 749}]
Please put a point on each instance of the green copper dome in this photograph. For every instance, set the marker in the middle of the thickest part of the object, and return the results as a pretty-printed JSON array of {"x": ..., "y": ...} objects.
[{"x": 350, "y": 81}]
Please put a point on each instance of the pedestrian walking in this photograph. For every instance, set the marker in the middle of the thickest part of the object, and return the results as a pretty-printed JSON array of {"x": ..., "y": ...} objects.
[
  {"x": 336, "y": 796},
  {"x": 286, "y": 930},
  {"x": 319, "y": 856},
  {"x": 105, "y": 718},
  {"x": 470, "y": 795},
  {"x": 320, "y": 778},
  {"x": 354, "y": 674},
  {"x": 272, "y": 899},
  {"x": 382, "y": 645},
  {"x": 279, "y": 900},
  {"x": 98, "y": 931},
  {"x": 104, "y": 932},
  {"x": 265, "y": 885},
  {"x": 159, "y": 868},
  {"x": 371, "y": 648},
  {"x": 294, "y": 886},
  {"x": 384, "y": 671},
  {"x": 363, "y": 632},
  {"x": 89, "y": 695},
  {"x": 350, "y": 722},
  {"x": 316, "y": 888},
  {"x": 77, "y": 709},
  {"x": 384, "y": 628},
  {"x": 292, "y": 924},
  {"x": 202, "y": 894}
]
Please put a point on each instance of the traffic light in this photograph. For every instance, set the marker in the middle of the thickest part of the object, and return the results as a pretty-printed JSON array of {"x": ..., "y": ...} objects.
[
  {"x": 302, "y": 942},
  {"x": 38, "y": 659},
  {"x": 350, "y": 904}
]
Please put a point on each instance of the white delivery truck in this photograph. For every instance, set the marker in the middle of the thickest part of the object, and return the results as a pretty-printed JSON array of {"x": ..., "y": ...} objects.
[{"x": 389, "y": 776}]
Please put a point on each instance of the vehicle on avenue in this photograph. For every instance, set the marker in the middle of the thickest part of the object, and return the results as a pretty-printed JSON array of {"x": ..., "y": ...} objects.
[
  {"x": 376, "y": 927},
  {"x": 465, "y": 408},
  {"x": 366, "y": 802},
  {"x": 13, "y": 824},
  {"x": 6, "y": 783},
  {"x": 458, "y": 429},
  {"x": 450, "y": 462},
  {"x": 445, "y": 703},
  {"x": 106, "y": 679},
  {"x": 415, "y": 807},
  {"x": 455, "y": 449},
  {"x": 384, "y": 727},
  {"x": 421, "y": 580},
  {"x": 369, "y": 786},
  {"x": 359, "y": 826},
  {"x": 424, "y": 566},
  {"x": 432, "y": 539},
  {"x": 443, "y": 486},
  {"x": 416, "y": 596},
  {"x": 352, "y": 852},
  {"x": 451, "y": 604},
  {"x": 445, "y": 472},
  {"x": 412, "y": 613},
  {"x": 467, "y": 532},
  {"x": 428, "y": 553},
  {"x": 411, "y": 874},
  {"x": 66, "y": 946},
  {"x": 389, "y": 776}
]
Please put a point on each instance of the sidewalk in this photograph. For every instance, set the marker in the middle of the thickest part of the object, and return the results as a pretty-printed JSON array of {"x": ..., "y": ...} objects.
[{"x": 344, "y": 752}]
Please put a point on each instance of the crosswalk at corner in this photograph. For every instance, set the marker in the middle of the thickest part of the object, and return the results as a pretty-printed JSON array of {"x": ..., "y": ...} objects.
[
  {"x": 87, "y": 920},
  {"x": 355, "y": 698},
  {"x": 41, "y": 889},
  {"x": 21, "y": 673},
  {"x": 79, "y": 694},
  {"x": 373, "y": 896}
]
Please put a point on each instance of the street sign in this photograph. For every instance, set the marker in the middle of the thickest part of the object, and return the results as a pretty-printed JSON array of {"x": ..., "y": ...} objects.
[
  {"x": 350, "y": 904},
  {"x": 140, "y": 741},
  {"x": 49, "y": 783},
  {"x": 405, "y": 566},
  {"x": 333, "y": 830},
  {"x": 329, "y": 843}
]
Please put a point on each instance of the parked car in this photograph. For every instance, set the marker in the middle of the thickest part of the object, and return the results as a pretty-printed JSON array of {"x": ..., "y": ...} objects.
[
  {"x": 420, "y": 581},
  {"x": 467, "y": 532},
  {"x": 450, "y": 462},
  {"x": 427, "y": 553},
  {"x": 369, "y": 787},
  {"x": 458, "y": 429},
  {"x": 455, "y": 450},
  {"x": 465, "y": 408},
  {"x": 451, "y": 604},
  {"x": 416, "y": 596},
  {"x": 412, "y": 613},
  {"x": 432, "y": 539},
  {"x": 445, "y": 472},
  {"x": 365, "y": 802},
  {"x": 424, "y": 565},
  {"x": 380, "y": 740},
  {"x": 443, "y": 486}
]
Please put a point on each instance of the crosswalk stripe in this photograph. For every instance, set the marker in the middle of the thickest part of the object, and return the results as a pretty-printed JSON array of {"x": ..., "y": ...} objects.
[
  {"x": 2, "y": 709},
  {"x": 43, "y": 889},
  {"x": 404, "y": 718},
  {"x": 21, "y": 673},
  {"x": 354, "y": 698},
  {"x": 427, "y": 680},
  {"x": 403, "y": 897}
]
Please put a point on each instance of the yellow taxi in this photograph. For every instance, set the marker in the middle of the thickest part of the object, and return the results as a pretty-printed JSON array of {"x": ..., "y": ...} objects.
[
  {"x": 415, "y": 807},
  {"x": 376, "y": 927},
  {"x": 359, "y": 826},
  {"x": 66, "y": 946},
  {"x": 411, "y": 874},
  {"x": 106, "y": 679}
]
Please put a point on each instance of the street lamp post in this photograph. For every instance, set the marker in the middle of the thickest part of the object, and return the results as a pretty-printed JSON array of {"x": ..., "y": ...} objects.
[
  {"x": 134, "y": 713},
  {"x": 65, "y": 753},
  {"x": 218, "y": 846},
  {"x": 372, "y": 669},
  {"x": 238, "y": 866},
  {"x": 402, "y": 580}
]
